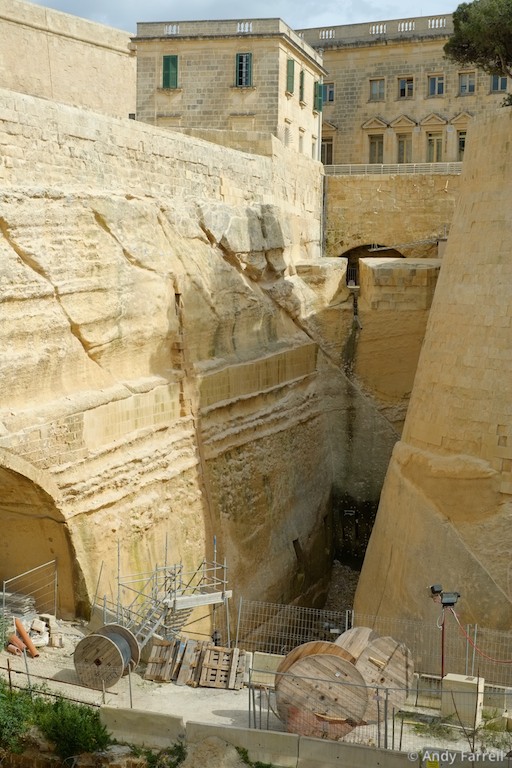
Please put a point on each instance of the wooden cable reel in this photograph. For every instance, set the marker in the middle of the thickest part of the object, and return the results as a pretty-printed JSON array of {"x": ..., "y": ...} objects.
[
  {"x": 309, "y": 698},
  {"x": 103, "y": 658}
]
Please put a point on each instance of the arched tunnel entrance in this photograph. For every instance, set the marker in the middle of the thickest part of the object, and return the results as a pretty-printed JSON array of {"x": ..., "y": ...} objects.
[
  {"x": 33, "y": 530},
  {"x": 364, "y": 251}
]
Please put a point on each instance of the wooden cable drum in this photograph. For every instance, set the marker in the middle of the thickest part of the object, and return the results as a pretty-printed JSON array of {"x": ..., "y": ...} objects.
[
  {"x": 385, "y": 664},
  {"x": 321, "y": 695},
  {"x": 101, "y": 659},
  {"x": 355, "y": 640},
  {"x": 310, "y": 649}
]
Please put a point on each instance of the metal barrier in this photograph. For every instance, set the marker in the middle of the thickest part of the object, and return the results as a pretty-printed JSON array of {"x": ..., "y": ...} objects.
[
  {"x": 370, "y": 169},
  {"x": 36, "y": 587},
  {"x": 430, "y": 717}
]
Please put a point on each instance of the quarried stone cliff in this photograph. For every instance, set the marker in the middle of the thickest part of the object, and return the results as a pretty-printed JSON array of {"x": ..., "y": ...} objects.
[
  {"x": 445, "y": 514},
  {"x": 167, "y": 369}
]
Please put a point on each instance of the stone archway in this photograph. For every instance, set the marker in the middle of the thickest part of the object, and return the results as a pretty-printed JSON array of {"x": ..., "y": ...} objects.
[
  {"x": 34, "y": 530},
  {"x": 364, "y": 251}
]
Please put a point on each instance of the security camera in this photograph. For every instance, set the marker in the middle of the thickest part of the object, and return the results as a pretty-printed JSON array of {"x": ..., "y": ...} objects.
[
  {"x": 436, "y": 589},
  {"x": 449, "y": 598}
]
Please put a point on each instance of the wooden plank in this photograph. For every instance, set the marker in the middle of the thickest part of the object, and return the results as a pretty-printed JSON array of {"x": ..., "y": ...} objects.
[
  {"x": 233, "y": 668},
  {"x": 188, "y": 657}
]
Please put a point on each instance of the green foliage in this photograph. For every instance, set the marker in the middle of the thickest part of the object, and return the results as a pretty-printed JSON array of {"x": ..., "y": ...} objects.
[
  {"x": 436, "y": 729},
  {"x": 493, "y": 731},
  {"x": 15, "y": 718},
  {"x": 245, "y": 759},
  {"x": 171, "y": 757},
  {"x": 482, "y": 36},
  {"x": 73, "y": 728}
]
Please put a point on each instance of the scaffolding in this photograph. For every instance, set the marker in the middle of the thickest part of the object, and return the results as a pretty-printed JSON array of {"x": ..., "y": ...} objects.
[{"x": 162, "y": 601}]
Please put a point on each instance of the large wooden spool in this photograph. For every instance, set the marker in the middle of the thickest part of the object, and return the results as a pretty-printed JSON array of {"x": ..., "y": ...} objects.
[
  {"x": 355, "y": 640},
  {"x": 101, "y": 659},
  {"x": 385, "y": 664},
  {"x": 310, "y": 700},
  {"x": 374, "y": 672}
]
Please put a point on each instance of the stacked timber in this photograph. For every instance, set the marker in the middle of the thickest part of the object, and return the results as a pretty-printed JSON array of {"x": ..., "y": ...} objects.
[{"x": 326, "y": 689}]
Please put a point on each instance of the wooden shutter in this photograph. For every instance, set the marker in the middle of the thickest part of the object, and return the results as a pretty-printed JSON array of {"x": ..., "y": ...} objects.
[
  {"x": 170, "y": 72},
  {"x": 290, "y": 75}
]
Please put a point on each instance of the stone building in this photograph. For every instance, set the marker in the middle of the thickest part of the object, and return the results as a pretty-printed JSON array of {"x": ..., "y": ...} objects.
[
  {"x": 238, "y": 77},
  {"x": 391, "y": 96}
]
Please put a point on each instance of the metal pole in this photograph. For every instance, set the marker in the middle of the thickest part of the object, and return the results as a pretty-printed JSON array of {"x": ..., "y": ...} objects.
[
  {"x": 474, "y": 651},
  {"x": 386, "y": 719},
  {"x": 118, "y": 578},
  {"x": 9, "y": 674},
  {"x": 442, "y": 646},
  {"x": 28, "y": 675},
  {"x": 97, "y": 586},
  {"x": 55, "y": 589},
  {"x": 130, "y": 684}
]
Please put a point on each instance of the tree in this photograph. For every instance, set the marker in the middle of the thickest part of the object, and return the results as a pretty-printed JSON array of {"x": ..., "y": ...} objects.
[{"x": 482, "y": 36}]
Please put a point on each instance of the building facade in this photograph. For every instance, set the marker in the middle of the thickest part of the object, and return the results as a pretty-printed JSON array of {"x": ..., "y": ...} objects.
[
  {"x": 254, "y": 76},
  {"x": 390, "y": 95}
]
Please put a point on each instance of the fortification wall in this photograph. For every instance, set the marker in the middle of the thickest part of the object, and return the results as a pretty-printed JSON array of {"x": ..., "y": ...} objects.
[
  {"x": 445, "y": 510},
  {"x": 65, "y": 58},
  {"x": 410, "y": 212}
]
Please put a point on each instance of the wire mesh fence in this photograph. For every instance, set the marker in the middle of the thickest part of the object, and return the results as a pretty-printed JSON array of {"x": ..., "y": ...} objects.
[
  {"x": 460, "y": 649},
  {"x": 274, "y": 628},
  {"x": 421, "y": 718}
]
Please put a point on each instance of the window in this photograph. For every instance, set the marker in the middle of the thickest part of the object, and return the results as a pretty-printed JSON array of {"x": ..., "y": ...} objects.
[
  {"x": 405, "y": 88},
  {"x": 317, "y": 97},
  {"x": 377, "y": 89},
  {"x": 376, "y": 148},
  {"x": 404, "y": 146},
  {"x": 461, "y": 144},
  {"x": 434, "y": 147},
  {"x": 498, "y": 83},
  {"x": 326, "y": 152},
  {"x": 243, "y": 70},
  {"x": 290, "y": 75},
  {"x": 170, "y": 72},
  {"x": 436, "y": 85},
  {"x": 313, "y": 148},
  {"x": 301, "y": 140},
  {"x": 327, "y": 93},
  {"x": 466, "y": 83},
  {"x": 301, "y": 86}
]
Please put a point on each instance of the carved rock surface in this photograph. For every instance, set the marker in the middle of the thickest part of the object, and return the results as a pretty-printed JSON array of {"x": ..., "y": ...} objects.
[{"x": 446, "y": 509}]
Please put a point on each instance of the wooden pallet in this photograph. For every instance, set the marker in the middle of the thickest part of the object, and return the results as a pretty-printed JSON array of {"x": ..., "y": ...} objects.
[
  {"x": 194, "y": 663},
  {"x": 222, "y": 668}
]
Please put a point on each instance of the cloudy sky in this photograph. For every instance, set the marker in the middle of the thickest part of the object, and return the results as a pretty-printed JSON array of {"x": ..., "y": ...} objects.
[{"x": 124, "y": 14}]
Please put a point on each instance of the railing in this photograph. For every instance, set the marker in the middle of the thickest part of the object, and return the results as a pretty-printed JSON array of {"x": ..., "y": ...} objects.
[
  {"x": 369, "y": 169},
  {"x": 467, "y": 650},
  {"x": 430, "y": 716}
]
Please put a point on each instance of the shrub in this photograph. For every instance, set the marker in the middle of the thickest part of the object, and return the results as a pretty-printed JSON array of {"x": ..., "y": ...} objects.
[
  {"x": 15, "y": 718},
  {"x": 73, "y": 728}
]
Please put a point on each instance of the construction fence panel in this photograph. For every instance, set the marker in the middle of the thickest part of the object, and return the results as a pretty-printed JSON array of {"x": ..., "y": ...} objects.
[
  {"x": 34, "y": 590},
  {"x": 274, "y": 628},
  {"x": 425, "y": 719}
]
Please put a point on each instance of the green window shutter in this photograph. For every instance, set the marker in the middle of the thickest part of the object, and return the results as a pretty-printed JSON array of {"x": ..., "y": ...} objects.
[
  {"x": 318, "y": 92},
  {"x": 301, "y": 85},
  {"x": 170, "y": 72},
  {"x": 290, "y": 75},
  {"x": 243, "y": 69}
]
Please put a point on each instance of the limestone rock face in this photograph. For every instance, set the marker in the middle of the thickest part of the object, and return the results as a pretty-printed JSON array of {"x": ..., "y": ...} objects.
[
  {"x": 446, "y": 510},
  {"x": 166, "y": 373}
]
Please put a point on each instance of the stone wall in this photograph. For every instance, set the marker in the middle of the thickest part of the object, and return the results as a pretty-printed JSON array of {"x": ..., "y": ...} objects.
[
  {"x": 65, "y": 58},
  {"x": 445, "y": 511},
  {"x": 409, "y": 213}
]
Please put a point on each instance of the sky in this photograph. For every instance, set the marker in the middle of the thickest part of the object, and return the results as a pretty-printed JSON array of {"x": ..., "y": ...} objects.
[{"x": 298, "y": 14}]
